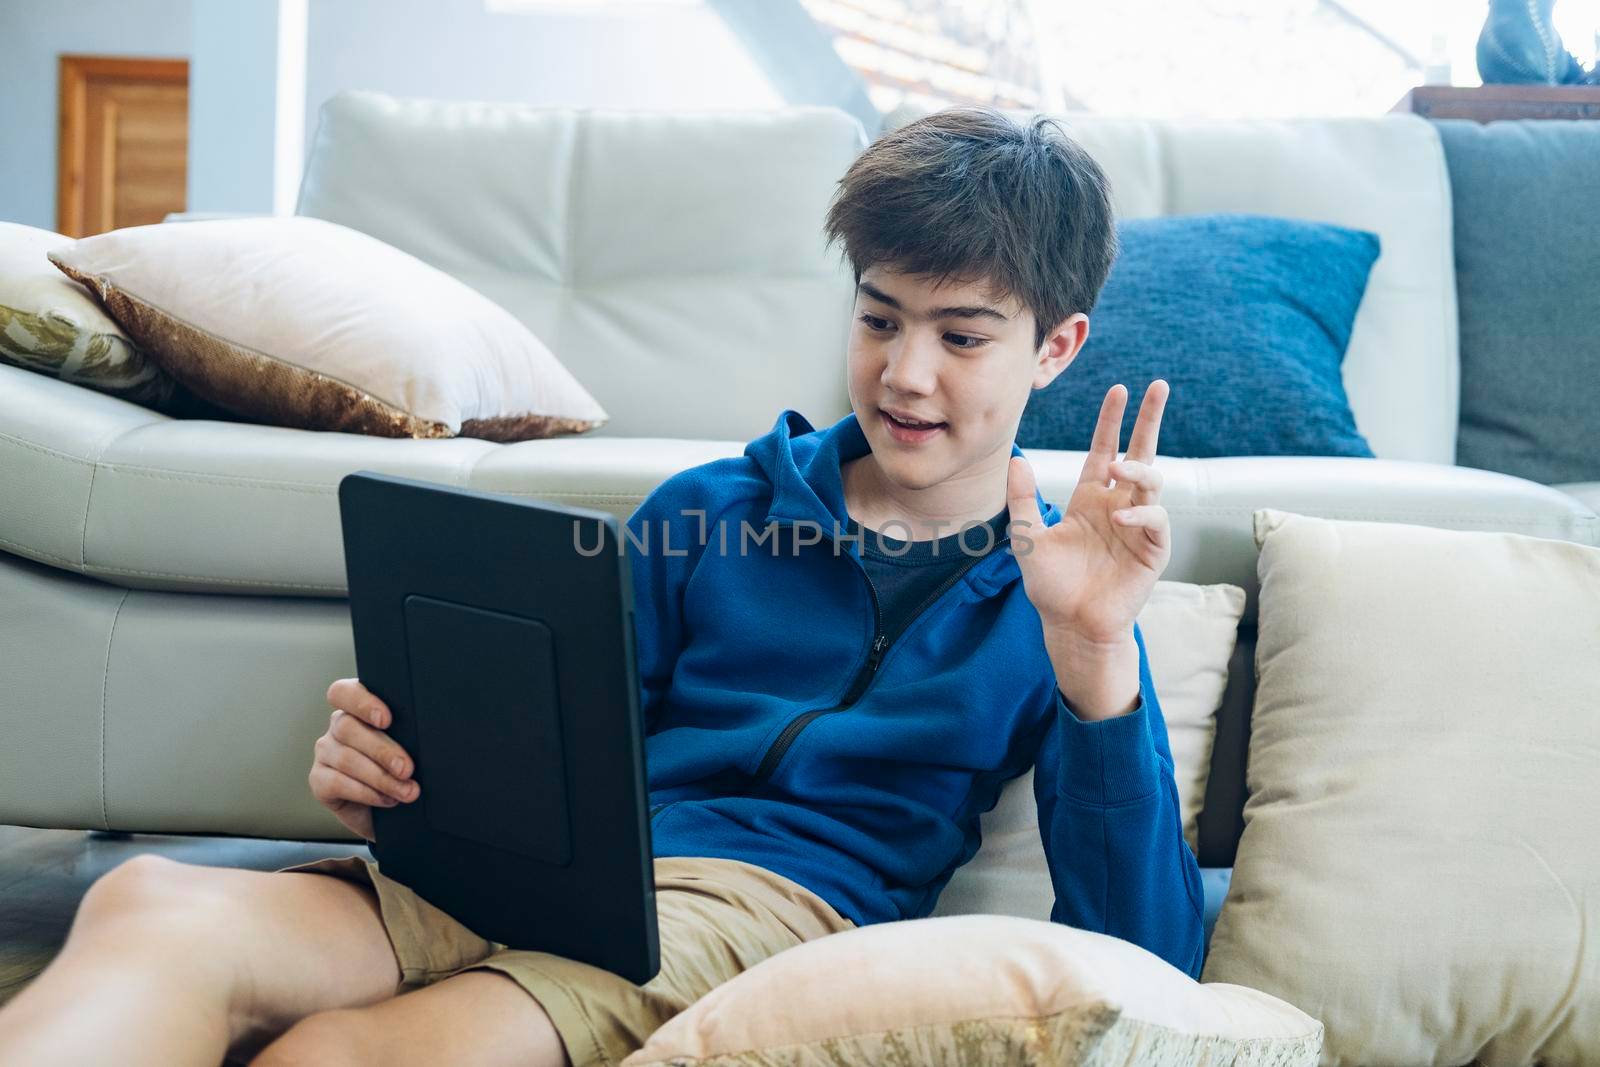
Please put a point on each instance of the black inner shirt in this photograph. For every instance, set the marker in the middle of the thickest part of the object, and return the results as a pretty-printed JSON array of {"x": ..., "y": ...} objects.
[{"x": 904, "y": 573}]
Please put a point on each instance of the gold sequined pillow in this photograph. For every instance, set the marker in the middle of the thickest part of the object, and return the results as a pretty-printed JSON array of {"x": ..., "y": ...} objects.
[
  {"x": 978, "y": 989},
  {"x": 53, "y": 326},
  {"x": 304, "y": 323}
]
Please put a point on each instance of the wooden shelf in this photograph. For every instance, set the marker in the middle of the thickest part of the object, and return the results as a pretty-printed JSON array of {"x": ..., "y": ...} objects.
[{"x": 1486, "y": 103}]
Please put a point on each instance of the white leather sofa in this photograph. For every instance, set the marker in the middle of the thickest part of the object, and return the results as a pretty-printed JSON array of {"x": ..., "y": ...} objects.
[{"x": 172, "y": 592}]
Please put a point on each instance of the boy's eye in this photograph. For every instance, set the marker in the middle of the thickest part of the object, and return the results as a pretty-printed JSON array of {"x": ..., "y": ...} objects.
[
  {"x": 874, "y": 322},
  {"x": 961, "y": 340}
]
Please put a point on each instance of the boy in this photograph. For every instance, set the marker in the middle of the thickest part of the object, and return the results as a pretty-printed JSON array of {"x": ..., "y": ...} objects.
[{"x": 829, "y": 706}]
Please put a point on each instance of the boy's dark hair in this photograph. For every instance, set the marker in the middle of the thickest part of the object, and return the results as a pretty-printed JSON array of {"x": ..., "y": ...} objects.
[{"x": 967, "y": 192}]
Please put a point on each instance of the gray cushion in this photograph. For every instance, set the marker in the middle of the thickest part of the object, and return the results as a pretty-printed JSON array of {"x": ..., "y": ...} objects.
[{"x": 1526, "y": 194}]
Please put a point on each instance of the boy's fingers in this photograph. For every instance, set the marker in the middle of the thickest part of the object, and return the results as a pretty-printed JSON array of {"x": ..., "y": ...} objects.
[
  {"x": 1020, "y": 488},
  {"x": 1145, "y": 480},
  {"x": 1107, "y": 433},
  {"x": 330, "y": 784},
  {"x": 348, "y": 694},
  {"x": 1152, "y": 518},
  {"x": 383, "y": 749},
  {"x": 1147, "y": 427},
  {"x": 360, "y": 767}
]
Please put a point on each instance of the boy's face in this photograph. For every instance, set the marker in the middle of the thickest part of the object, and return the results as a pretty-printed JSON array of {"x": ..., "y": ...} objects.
[{"x": 956, "y": 355}]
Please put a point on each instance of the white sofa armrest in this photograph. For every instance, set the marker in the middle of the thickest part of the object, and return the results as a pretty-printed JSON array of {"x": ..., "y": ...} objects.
[{"x": 1212, "y": 501}]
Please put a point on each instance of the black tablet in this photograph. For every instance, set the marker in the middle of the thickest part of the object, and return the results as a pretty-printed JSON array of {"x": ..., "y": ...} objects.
[{"x": 499, "y": 631}]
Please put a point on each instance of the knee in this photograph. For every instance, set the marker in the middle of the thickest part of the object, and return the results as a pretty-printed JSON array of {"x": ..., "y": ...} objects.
[
  {"x": 345, "y": 1036},
  {"x": 144, "y": 888}
]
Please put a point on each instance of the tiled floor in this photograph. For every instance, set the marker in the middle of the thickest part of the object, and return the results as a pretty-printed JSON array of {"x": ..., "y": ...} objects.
[{"x": 44, "y": 873}]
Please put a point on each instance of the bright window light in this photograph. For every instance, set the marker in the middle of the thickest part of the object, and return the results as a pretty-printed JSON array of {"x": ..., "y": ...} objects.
[{"x": 526, "y": 7}]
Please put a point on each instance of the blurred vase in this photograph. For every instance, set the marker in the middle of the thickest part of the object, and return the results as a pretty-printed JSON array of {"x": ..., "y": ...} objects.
[
  {"x": 1436, "y": 71},
  {"x": 1519, "y": 45}
]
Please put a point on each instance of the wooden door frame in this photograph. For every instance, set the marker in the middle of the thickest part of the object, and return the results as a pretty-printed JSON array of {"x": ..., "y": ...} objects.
[{"x": 76, "y": 71}]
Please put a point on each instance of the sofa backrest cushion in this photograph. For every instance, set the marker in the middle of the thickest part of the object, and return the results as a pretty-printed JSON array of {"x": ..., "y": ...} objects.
[
  {"x": 1385, "y": 174},
  {"x": 673, "y": 261},
  {"x": 1526, "y": 194}
]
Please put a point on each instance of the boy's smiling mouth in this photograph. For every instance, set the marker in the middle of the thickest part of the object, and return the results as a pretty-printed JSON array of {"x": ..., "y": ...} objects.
[{"x": 910, "y": 432}]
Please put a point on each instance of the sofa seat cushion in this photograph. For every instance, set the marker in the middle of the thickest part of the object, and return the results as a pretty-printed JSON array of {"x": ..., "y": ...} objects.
[
  {"x": 125, "y": 494},
  {"x": 1587, "y": 492}
]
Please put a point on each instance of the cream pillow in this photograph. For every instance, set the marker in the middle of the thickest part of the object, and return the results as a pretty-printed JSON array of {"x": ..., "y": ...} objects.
[
  {"x": 982, "y": 990},
  {"x": 1189, "y": 633},
  {"x": 54, "y": 326},
  {"x": 305, "y": 323},
  {"x": 1420, "y": 864}
]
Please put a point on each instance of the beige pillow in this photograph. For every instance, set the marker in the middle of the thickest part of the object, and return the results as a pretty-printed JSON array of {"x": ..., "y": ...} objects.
[
  {"x": 982, "y": 990},
  {"x": 1420, "y": 864},
  {"x": 305, "y": 323},
  {"x": 1189, "y": 633},
  {"x": 54, "y": 326}
]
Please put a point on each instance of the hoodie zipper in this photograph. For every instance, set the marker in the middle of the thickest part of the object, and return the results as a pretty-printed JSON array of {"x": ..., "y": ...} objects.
[{"x": 863, "y": 680}]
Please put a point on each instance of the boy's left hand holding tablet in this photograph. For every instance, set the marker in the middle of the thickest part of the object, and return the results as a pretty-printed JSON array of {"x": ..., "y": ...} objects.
[
  {"x": 1090, "y": 574},
  {"x": 356, "y": 765}
]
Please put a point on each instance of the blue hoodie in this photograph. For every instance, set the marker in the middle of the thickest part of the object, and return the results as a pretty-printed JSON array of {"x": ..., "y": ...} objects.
[{"x": 782, "y": 732}]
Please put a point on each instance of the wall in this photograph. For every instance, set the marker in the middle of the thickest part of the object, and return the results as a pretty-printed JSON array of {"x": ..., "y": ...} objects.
[
  {"x": 34, "y": 33},
  {"x": 247, "y": 106},
  {"x": 629, "y": 55}
]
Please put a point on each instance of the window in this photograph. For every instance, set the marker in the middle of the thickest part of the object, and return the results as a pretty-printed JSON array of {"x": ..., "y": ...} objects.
[
  {"x": 1166, "y": 58},
  {"x": 940, "y": 52}
]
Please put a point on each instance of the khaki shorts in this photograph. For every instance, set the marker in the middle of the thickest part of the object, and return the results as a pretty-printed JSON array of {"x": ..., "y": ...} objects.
[{"x": 717, "y": 918}]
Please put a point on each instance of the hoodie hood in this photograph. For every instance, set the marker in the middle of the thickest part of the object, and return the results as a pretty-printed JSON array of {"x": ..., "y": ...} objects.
[{"x": 803, "y": 464}]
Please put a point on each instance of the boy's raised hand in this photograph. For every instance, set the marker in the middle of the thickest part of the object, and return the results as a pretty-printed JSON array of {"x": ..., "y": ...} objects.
[{"x": 1090, "y": 575}]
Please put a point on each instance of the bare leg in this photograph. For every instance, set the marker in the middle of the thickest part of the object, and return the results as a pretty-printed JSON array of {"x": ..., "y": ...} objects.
[
  {"x": 472, "y": 1019},
  {"x": 173, "y": 963}
]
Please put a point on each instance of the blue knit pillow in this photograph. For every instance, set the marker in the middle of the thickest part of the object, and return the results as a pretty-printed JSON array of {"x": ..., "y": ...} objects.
[{"x": 1247, "y": 318}]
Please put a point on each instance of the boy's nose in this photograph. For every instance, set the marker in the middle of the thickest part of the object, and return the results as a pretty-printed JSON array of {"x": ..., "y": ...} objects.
[{"x": 911, "y": 370}]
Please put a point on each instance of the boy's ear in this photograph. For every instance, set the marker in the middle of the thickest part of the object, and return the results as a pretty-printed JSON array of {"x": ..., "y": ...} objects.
[{"x": 1060, "y": 348}]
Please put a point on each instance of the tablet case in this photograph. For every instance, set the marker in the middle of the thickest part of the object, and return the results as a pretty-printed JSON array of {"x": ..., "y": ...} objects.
[{"x": 499, "y": 631}]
